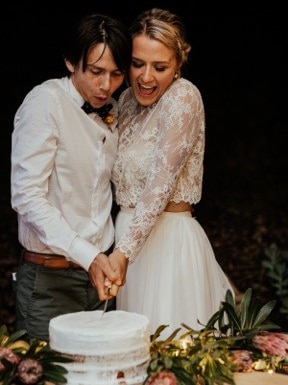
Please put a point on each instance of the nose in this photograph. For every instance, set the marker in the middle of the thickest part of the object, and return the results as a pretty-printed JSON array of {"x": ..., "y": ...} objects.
[
  {"x": 105, "y": 82},
  {"x": 147, "y": 75}
]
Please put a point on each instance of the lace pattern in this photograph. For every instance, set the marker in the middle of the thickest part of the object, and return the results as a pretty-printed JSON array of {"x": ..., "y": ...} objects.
[{"x": 160, "y": 158}]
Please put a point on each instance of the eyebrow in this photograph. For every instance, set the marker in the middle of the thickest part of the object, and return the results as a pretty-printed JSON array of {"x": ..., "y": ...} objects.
[
  {"x": 93, "y": 65},
  {"x": 154, "y": 62}
]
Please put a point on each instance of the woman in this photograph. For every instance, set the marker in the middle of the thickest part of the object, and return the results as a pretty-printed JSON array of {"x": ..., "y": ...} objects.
[{"x": 172, "y": 274}]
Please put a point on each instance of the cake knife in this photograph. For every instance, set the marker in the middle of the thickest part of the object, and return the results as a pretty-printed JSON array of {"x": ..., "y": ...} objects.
[
  {"x": 106, "y": 302},
  {"x": 105, "y": 307}
]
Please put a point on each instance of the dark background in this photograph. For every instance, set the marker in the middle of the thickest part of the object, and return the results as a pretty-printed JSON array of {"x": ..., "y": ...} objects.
[{"x": 238, "y": 61}]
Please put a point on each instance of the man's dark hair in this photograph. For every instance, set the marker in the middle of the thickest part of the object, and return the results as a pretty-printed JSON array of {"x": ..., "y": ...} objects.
[{"x": 94, "y": 29}]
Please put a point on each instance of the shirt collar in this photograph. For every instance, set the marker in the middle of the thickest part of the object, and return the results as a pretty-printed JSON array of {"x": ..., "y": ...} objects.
[
  {"x": 80, "y": 101},
  {"x": 74, "y": 93}
]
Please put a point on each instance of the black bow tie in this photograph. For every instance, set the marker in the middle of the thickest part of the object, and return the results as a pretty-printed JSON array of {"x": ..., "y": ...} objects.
[{"x": 102, "y": 111}]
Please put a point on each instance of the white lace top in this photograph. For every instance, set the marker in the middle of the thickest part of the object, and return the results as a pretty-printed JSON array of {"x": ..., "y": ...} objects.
[{"x": 160, "y": 157}]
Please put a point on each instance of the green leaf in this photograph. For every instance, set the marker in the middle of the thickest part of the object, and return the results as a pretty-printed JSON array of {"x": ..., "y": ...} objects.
[
  {"x": 229, "y": 298},
  {"x": 244, "y": 307},
  {"x": 264, "y": 312},
  {"x": 158, "y": 332},
  {"x": 15, "y": 336},
  {"x": 232, "y": 316}
]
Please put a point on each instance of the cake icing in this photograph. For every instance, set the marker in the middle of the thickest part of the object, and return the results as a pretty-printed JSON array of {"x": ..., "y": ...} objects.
[{"x": 111, "y": 350}]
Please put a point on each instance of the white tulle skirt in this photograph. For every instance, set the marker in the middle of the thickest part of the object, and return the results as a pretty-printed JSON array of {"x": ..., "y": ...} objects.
[{"x": 175, "y": 278}]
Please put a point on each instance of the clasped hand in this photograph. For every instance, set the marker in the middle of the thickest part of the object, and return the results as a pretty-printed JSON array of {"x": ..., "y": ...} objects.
[{"x": 108, "y": 274}]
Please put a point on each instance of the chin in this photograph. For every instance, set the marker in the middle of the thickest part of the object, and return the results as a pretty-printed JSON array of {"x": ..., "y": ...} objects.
[{"x": 144, "y": 100}]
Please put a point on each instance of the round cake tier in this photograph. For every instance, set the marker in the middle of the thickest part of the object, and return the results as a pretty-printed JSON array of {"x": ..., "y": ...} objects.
[
  {"x": 83, "y": 374},
  {"x": 109, "y": 349},
  {"x": 88, "y": 333}
]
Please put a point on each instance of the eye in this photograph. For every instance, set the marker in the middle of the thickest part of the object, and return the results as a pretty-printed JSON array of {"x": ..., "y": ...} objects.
[
  {"x": 136, "y": 64},
  {"x": 95, "y": 72},
  {"x": 117, "y": 74}
]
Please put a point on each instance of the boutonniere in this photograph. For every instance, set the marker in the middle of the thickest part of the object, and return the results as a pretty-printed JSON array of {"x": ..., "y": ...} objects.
[{"x": 108, "y": 119}]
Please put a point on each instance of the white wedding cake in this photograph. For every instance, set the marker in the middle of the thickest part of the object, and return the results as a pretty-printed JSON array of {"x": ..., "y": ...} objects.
[{"x": 107, "y": 349}]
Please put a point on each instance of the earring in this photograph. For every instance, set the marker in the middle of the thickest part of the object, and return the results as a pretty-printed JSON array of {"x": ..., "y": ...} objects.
[{"x": 176, "y": 76}]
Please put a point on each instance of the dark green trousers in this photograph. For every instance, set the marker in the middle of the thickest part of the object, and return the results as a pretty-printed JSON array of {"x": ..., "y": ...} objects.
[{"x": 42, "y": 293}]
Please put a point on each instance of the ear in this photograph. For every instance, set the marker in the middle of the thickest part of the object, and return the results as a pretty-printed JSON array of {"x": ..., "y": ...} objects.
[
  {"x": 69, "y": 66},
  {"x": 177, "y": 73}
]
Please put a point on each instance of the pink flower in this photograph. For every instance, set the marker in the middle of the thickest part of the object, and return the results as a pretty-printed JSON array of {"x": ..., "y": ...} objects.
[
  {"x": 9, "y": 356},
  {"x": 29, "y": 371},
  {"x": 272, "y": 343},
  {"x": 163, "y": 378},
  {"x": 243, "y": 360}
]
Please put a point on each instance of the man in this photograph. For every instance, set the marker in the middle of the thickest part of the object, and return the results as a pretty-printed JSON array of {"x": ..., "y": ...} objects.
[{"x": 62, "y": 156}]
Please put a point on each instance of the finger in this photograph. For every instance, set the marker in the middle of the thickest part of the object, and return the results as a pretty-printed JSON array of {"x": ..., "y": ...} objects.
[
  {"x": 107, "y": 291},
  {"x": 102, "y": 293},
  {"x": 110, "y": 272},
  {"x": 107, "y": 283},
  {"x": 97, "y": 279},
  {"x": 114, "y": 290}
]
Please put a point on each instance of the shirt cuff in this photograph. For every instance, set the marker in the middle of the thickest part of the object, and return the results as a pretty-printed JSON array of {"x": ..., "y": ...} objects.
[{"x": 83, "y": 253}]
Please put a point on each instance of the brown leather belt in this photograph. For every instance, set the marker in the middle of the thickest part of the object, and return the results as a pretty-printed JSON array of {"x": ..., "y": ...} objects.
[{"x": 51, "y": 261}]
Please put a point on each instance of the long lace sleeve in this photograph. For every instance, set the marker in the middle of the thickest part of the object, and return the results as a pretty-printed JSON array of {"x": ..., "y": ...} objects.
[{"x": 174, "y": 136}]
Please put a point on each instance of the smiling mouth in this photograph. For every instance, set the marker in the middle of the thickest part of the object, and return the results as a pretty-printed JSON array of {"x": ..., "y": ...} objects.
[{"x": 146, "y": 90}]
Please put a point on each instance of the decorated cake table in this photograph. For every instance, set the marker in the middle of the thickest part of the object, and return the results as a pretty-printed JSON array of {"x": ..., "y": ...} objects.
[
  {"x": 260, "y": 378},
  {"x": 117, "y": 348}
]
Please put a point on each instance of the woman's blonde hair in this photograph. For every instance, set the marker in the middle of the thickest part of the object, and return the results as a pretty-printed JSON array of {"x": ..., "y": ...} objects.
[{"x": 166, "y": 27}]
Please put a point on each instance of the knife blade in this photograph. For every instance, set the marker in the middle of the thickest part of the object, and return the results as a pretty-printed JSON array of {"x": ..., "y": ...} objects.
[
  {"x": 106, "y": 302},
  {"x": 105, "y": 307}
]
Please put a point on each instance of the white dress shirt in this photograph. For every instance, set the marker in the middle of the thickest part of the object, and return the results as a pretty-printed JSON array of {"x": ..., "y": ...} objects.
[{"x": 60, "y": 174}]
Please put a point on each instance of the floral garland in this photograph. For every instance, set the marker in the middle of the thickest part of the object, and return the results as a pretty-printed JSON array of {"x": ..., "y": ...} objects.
[
  {"x": 28, "y": 362},
  {"x": 232, "y": 341}
]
